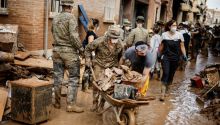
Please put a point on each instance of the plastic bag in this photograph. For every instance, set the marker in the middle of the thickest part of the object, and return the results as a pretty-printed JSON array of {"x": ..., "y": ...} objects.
[
  {"x": 122, "y": 91},
  {"x": 143, "y": 90}
]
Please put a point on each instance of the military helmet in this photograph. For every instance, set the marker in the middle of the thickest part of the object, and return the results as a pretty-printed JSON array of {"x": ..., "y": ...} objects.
[
  {"x": 113, "y": 32},
  {"x": 67, "y": 2},
  {"x": 141, "y": 18},
  {"x": 126, "y": 22}
]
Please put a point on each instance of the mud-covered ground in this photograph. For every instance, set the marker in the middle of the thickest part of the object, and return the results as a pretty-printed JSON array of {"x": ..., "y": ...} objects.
[{"x": 180, "y": 108}]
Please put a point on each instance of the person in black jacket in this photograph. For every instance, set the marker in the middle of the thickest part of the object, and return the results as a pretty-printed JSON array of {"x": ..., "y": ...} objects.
[
  {"x": 170, "y": 49},
  {"x": 93, "y": 26},
  {"x": 90, "y": 37}
]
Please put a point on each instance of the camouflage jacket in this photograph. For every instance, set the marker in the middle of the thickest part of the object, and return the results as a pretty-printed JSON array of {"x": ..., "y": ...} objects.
[
  {"x": 126, "y": 34},
  {"x": 137, "y": 34},
  {"x": 65, "y": 34},
  {"x": 104, "y": 57}
]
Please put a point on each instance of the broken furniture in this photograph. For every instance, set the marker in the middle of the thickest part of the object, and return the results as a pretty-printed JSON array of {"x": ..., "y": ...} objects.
[
  {"x": 31, "y": 100},
  {"x": 3, "y": 100}
]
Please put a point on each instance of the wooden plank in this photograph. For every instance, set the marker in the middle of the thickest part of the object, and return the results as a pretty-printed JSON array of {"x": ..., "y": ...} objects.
[
  {"x": 3, "y": 100},
  {"x": 35, "y": 62},
  {"x": 22, "y": 55},
  {"x": 31, "y": 82}
]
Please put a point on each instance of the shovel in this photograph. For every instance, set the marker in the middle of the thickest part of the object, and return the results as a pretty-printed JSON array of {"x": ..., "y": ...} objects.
[
  {"x": 200, "y": 99},
  {"x": 95, "y": 80}
]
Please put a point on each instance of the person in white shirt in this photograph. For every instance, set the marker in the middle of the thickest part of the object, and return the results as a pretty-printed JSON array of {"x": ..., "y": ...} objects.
[{"x": 155, "y": 43}]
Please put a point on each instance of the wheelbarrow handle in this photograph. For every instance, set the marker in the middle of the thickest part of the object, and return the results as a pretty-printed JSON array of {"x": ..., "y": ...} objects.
[
  {"x": 95, "y": 80},
  {"x": 93, "y": 73}
]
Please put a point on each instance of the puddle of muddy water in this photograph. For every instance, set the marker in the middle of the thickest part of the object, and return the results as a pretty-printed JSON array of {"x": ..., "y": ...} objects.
[{"x": 186, "y": 110}]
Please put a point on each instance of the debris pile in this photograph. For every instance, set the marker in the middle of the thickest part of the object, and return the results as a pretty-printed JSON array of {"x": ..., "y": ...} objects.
[
  {"x": 209, "y": 81},
  {"x": 15, "y": 65},
  {"x": 8, "y": 38},
  {"x": 121, "y": 83}
]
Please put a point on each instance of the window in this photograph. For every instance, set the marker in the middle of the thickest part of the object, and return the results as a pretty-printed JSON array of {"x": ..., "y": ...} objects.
[
  {"x": 3, "y": 3},
  {"x": 109, "y": 14},
  {"x": 3, "y": 7},
  {"x": 55, "y": 8}
]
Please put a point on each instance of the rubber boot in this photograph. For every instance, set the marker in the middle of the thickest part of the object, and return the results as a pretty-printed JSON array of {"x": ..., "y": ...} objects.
[
  {"x": 57, "y": 97},
  {"x": 163, "y": 92},
  {"x": 158, "y": 74},
  {"x": 71, "y": 101},
  {"x": 85, "y": 81},
  {"x": 95, "y": 100},
  {"x": 74, "y": 108},
  {"x": 167, "y": 91},
  {"x": 86, "y": 88},
  {"x": 94, "y": 106},
  {"x": 101, "y": 105},
  {"x": 151, "y": 75}
]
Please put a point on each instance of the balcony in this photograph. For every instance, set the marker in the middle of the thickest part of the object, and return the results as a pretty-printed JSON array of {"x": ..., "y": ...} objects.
[{"x": 195, "y": 10}]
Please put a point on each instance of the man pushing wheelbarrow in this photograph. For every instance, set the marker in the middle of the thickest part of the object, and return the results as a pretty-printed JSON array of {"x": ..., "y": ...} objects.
[{"x": 108, "y": 50}]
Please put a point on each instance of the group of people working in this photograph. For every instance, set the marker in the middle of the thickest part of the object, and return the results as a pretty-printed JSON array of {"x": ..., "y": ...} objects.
[{"x": 116, "y": 47}]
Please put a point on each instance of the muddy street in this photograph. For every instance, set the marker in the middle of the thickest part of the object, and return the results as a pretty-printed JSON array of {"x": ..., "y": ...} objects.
[
  {"x": 110, "y": 62},
  {"x": 182, "y": 108},
  {"x": 179, "y": 109},
  {"x": 185, "y": 109}
]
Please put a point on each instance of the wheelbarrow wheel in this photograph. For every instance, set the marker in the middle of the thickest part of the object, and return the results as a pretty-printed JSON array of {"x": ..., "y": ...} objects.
[
  {"x": 127, "y": 117},
  {"x": 109, "y": 117}
]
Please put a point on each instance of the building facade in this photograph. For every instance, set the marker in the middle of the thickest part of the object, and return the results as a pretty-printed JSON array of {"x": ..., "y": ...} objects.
[
  {"x": 34, "y": 17},
  {"x": 213, "y": 17},
  {"x": 152, "y": 10},
  {"x": 189, "y": 10}
]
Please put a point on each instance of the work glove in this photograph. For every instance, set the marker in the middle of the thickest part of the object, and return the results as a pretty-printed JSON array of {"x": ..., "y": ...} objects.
[
  {"x": 185, "y": 58},
  {"x": 159, "y": 57},
  {"x": 88, "y": 62}
]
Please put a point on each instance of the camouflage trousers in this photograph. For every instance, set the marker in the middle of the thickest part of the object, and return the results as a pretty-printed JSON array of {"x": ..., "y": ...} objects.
[
  {"x": 87, "y": 78},
  {"x": 96, "y": 95},
  {"x": 71, "y": 63}
]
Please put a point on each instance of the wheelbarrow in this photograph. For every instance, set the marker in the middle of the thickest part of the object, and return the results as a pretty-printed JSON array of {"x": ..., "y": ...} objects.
[{"x": 125, "y": 109}]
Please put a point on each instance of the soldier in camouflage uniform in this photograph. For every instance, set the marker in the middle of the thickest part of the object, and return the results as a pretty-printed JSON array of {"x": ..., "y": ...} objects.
[
  {"x": 137, "y": 34},
  {"x": 108, "y": 50},
  {"x": 66, "y": 50},
  {"x": 126, "y": 28}
]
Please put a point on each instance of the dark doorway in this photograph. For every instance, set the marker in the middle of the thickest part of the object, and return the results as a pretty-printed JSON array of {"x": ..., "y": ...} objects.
[
  {"x": 185, "y": 16},
  {"x": 156, "y": 15},
  {"x": 126, "y": 10},
  {"x": 140, "y": 10},
  {"x": 163, "y": 12},
  {"x": 176, "y": 7}
]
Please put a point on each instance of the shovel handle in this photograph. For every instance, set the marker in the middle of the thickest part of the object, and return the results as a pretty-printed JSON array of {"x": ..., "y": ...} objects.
[
  {"x": 93, "y": 73},
  {"x": 210, "y": 89}
]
